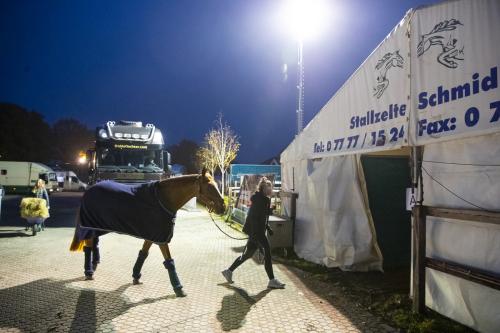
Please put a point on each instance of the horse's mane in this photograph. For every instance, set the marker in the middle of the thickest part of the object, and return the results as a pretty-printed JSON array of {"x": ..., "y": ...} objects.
[{"x": 183, "y": 178}]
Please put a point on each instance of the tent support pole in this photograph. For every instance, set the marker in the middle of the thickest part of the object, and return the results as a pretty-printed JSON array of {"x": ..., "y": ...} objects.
[
  {"x": 419, "y": 241},
  {"x": 419, "y": 235}
]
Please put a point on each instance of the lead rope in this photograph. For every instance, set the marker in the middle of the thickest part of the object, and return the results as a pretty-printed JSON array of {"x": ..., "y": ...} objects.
[
  {"x": 215, "y": 223},
  {"x": 212, "y": 218}
]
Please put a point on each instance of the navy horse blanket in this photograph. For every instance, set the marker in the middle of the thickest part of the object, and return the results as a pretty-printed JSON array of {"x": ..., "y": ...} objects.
[{"x": 134, "y": 210}]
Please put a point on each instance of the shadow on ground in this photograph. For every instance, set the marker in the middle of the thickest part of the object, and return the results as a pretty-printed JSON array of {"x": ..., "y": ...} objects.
[
  {"x": 235, "y": 307},
  {"x": 238, "y": 249},
  {"x": 48, "y": 305},
  {"x": 15, "y": 233}
]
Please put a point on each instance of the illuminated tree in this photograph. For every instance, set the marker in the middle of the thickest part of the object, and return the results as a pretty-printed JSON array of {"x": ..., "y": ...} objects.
[
  {"x": 205, "y": 158},
  {"x": 220, "y": 149}
]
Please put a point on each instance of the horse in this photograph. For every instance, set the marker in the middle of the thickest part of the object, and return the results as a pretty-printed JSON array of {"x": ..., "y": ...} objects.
[
  {"x": 451, "y": 53},
  {"x": 388, "y": 61},
  {"x": 171, "y": 195}
]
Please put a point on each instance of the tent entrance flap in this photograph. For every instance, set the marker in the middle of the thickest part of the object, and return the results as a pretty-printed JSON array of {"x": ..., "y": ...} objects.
[{"x": 386, "y": 180}]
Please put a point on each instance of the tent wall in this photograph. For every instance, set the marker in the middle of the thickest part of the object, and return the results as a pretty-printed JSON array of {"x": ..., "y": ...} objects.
[
  {"x": 469, "y": 243},
  {"x": 455, "y": 58},
  {"x": 369, "y": 112},
  {"x": 443, "y": 68},
  {"x": 333, "y": 226}
]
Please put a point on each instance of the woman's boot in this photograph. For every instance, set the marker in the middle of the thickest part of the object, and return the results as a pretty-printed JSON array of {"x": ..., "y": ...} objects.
[
  {"x": 87, "y": 265},
  {"x": 136, "y": 271},
  {"x": 174, "y": 279}
]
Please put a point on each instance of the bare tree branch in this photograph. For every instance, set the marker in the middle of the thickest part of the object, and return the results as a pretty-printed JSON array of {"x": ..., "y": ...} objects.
[{"x": 220, "y": 149}]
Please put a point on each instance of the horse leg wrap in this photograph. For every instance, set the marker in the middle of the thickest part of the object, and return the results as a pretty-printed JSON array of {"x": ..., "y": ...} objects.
[
  {"x": 136, "y": 271},
  {"x": 96, "y": 256},
  {"x": 172, "y": 274},
  {"x": 89, "y": 271}
]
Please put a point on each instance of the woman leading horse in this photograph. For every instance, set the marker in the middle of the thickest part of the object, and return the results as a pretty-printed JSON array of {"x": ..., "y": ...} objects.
[{"x": 145, "y": 211}]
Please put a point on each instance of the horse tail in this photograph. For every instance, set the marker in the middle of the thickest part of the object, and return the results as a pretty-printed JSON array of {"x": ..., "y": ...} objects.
[{"x": 77, "y": 244}]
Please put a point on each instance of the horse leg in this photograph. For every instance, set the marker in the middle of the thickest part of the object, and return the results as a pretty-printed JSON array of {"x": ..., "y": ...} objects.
[
  {"x": 172, "y": 274},
  {"x": 96, "y": 256},
  {"x": 141, "y": 257},
  {"x": 87, "y": 265}
]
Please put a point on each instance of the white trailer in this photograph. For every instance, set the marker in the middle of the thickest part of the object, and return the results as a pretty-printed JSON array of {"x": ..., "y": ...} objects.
[
  {"x": 21, "y": 177},
  {"x": 69, "y": 181}
]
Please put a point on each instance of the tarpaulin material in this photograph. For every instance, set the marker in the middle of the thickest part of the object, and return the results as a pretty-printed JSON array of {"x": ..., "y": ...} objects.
[
  {"x": 370, "y": 111},
  {"x": 455, "y": 59},
  {"x": 134, "y": 210},
  {"x": 333, "y": 226},
  {"x": 470, "y": 170},
  {"x": 441, "y": 62}
]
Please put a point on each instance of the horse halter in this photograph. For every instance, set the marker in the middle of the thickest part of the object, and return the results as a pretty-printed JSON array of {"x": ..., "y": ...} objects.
[{"x": 209, "y": 203}]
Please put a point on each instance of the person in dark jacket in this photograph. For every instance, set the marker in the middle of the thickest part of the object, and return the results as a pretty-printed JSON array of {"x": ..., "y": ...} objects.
[{"x": 255, "y": 227}]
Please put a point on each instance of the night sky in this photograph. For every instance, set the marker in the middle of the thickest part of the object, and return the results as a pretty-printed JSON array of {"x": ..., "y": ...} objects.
[{"x": 178, "y": 63}]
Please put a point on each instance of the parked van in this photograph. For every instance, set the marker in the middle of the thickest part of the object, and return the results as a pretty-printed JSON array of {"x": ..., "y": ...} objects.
[
  {"x": 21, "y": 177},
  {"x": 69, "y": 181}
]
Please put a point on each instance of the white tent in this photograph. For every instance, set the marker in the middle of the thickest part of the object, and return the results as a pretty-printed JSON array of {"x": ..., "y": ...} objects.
[{"x": 432, "y": 82}]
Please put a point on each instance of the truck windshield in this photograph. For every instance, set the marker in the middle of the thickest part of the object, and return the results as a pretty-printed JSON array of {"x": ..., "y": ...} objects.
[
  {"x": 128, "y": 160},
  {"x": 46, "y": 177}
]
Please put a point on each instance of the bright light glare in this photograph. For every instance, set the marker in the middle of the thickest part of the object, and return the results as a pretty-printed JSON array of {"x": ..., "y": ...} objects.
[
  {"x": 82, "y": 160},
  {"x": 305, "y": 18}
]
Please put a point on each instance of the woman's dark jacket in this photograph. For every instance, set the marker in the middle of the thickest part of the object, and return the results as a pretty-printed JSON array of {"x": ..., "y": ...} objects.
[{"x": 256, "y": 222}]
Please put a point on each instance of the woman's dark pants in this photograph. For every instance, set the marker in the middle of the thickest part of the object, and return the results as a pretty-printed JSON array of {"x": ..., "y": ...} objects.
[{"x": 253, "y": 244}]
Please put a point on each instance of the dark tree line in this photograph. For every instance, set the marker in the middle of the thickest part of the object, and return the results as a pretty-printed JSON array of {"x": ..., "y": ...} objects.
[
  {"x": 184, "y": 153},
  {"x": 26, "y": 136}
]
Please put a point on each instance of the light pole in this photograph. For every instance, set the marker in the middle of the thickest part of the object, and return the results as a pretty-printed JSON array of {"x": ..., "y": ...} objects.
[
  {"x": 300, "y": 88},
  {"x": 303, "y": 19}
]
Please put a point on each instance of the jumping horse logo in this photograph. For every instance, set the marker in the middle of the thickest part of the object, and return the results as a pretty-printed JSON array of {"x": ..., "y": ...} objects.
[
  {"x": 450, "y": 53},
  {"x": 388, "y": 61}
]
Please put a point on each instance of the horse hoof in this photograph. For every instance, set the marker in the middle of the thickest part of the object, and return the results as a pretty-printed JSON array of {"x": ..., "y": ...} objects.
[
  {"x": 136, "y": 281},
  {"x": 180, "y": 293},
  {"x": 88, "y": 277}
]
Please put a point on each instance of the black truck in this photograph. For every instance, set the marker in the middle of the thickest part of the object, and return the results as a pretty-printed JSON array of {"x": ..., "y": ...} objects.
[{"x": 128, "y": 152}]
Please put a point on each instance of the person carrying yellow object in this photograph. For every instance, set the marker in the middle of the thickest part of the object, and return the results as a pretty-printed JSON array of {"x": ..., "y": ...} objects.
[{"x": 40, "y": 192}]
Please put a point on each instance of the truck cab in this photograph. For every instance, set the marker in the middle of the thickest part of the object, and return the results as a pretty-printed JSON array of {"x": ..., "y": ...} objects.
[{"x": 128, "y": 152}]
